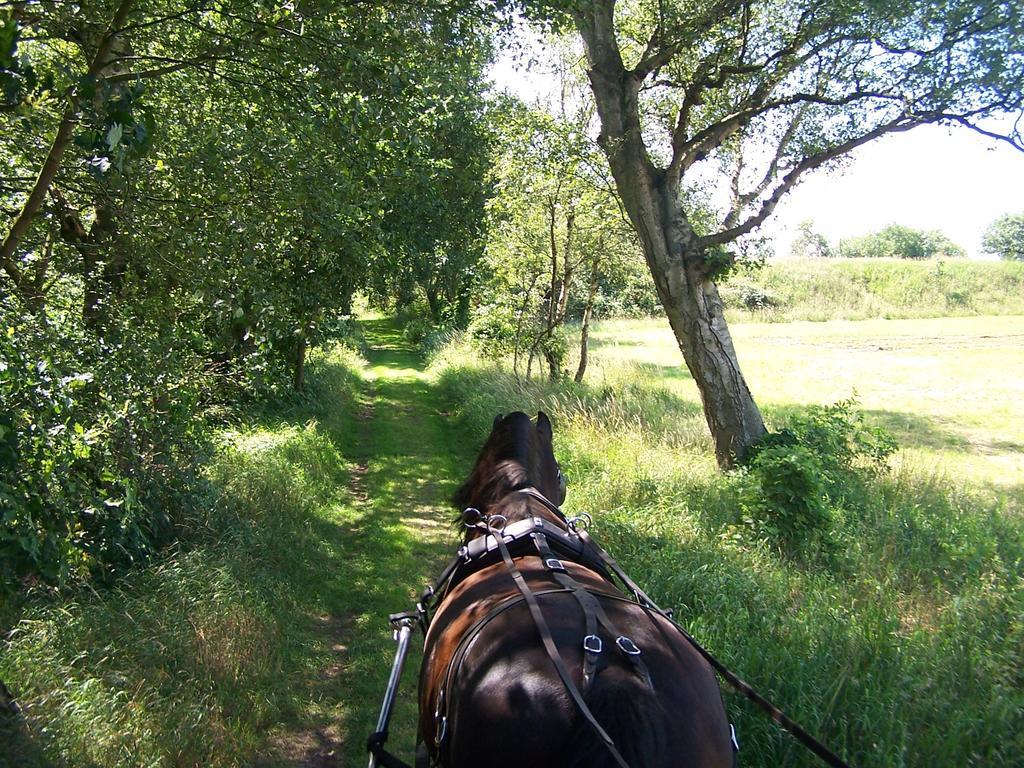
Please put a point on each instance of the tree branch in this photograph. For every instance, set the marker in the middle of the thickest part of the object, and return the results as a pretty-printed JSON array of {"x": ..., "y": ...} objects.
[
  {"x": 901, "y": 123},
  {"x": 51, "y": 164}
]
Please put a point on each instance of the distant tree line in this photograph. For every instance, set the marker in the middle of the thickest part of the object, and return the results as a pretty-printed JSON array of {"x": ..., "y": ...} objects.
[{"x": 1004, "y": 238}]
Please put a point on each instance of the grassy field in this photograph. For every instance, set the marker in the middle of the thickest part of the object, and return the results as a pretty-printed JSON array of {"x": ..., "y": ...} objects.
[
  {"x": 950, "y": 389},
  {"x": 262, "y": 640},
  {"x": 904, "y": 645}
]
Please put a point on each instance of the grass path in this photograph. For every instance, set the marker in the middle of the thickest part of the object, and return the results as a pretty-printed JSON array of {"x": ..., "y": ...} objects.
[
  {"x": 266, "y": 641},
  {"x": 395, "y": 539}
]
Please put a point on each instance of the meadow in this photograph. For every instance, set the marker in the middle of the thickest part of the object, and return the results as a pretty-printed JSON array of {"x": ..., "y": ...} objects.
[
  {"x": 904, "y": 644},
  {"x": 261, "y": 639}
]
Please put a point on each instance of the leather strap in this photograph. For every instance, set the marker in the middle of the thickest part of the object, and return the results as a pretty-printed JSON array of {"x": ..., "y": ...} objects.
[
  {"x": 556, "y": 658},
  {"x": 594, "y": 614}
]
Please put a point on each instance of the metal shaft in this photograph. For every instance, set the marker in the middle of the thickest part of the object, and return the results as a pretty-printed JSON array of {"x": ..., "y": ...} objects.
[{"x": 402, "y": 636}]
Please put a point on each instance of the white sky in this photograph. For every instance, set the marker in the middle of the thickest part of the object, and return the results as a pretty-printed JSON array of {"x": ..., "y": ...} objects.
[{"x": 932, "y": 177}]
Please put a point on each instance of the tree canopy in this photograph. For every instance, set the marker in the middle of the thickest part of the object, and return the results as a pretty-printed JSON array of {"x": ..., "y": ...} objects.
[
  {"x": 1005, "y": 237},
  {"x": 192, "y": 195}
]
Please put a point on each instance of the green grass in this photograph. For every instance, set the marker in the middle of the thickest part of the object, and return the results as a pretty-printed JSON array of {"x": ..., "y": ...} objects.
[
  {"x": 855, "y": 289},
  {"x": 263, "y": 640},
  {"x": 904, "y": 645}
]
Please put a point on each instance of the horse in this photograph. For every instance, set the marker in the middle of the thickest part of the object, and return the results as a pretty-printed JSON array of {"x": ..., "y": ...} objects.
[{"x": 595, "y": 680}]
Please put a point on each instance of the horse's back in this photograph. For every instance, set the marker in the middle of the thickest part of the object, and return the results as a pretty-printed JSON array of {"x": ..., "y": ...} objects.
[{"x": 506, "y": 706}]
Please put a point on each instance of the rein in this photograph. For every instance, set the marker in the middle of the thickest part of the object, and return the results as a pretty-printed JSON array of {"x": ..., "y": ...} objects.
[{"x": 542, "y": 537}]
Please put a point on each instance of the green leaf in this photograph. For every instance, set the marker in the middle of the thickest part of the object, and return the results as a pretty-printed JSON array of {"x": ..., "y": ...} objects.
[{"x": 114, "y": 135}]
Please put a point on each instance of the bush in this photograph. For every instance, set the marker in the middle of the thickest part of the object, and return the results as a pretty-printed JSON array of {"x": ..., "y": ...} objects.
[
  {"x": 743, "y": 294},
  {"x": 97, "y": 444},
  {"x": 784, "y": 496},
  {"x": 797, "y": 477}
]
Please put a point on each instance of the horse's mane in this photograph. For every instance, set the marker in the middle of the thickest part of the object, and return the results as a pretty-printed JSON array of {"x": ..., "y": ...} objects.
[{"x": 503, "y": 464}]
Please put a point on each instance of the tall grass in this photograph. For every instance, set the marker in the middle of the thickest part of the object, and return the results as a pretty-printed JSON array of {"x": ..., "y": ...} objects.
[
  {"x": 855, "y": 289},
  {"x": 902, "y": 646},
  {"x": 194, "y": 659}
]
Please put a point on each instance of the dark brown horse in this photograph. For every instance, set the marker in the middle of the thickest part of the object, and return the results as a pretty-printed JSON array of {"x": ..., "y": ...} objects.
[{"x": 489, "y": 692}]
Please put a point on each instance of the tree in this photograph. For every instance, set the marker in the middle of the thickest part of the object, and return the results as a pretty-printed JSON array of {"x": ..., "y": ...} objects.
[
  {"x": 809, "y": 243},
  {"x": 899, "y": 242},
  {"x": 1005, "y": 237},
  {"x": 678, "y": 86},
  {"x": 556, "y": 230}
]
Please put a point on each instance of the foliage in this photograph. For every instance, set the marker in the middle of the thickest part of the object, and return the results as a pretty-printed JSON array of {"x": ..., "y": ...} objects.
[
  {"x": 795, "y": 477},
  {"x": 193, "y": 197},
  {"x": 556, "y": 247},
  {"x": 1005, "y": 237},
  {"x": 899, "y": 242},
  {"x": 196, "y": 655},
  {"x": 97, "y": 443},
  {"x": 809, "y": 243},
  {"x": 749, "y": 296}
]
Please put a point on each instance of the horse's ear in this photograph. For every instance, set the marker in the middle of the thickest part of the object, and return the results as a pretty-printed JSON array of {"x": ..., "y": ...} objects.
[
  {"x": 497, "y": 421},
  {"x": 544, "y": 425}
]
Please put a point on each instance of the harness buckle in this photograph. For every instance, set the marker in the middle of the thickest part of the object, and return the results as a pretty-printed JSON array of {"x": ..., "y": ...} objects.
[
  {"x": 593, "y": 644},
  {"x": 627, "y": 646},
  {"x": 555, "y": 564}
]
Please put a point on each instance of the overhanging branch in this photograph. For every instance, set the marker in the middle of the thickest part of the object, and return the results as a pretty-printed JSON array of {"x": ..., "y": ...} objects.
[{"x": 902, "y": 123}]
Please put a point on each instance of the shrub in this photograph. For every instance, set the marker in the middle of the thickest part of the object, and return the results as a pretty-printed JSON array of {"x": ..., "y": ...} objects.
[
  {"x": 97, "y": 443},
  {"x": 797, "y": 477},
  {"x": 784, "y": 496},
  {"x": 744, "y": 294}
]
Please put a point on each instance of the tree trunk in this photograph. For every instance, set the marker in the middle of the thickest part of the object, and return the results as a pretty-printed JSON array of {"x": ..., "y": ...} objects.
[
  {"x": 103, "y": 270},
  {"x": 674, "y": 255},
  {"x": 554, "y": 369},
  {"x": 299, "y": 375},
  {"x": 588, "y": 311},
  {"x": 434, "y": 302},
  {"x": 462, "y": 307}
]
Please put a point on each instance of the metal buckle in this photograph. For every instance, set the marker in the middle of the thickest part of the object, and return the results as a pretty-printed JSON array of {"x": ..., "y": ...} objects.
[
  {"x": 592, "y": 644},
  {"x": 440, "y": 721},
  {"x": 627, "y": 646},
  {"x": 554, "y": 564}
]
